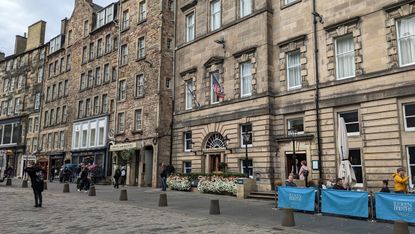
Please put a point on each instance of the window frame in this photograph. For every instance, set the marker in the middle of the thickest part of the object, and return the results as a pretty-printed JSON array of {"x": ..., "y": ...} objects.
[
  {"x": 187, "y": 142},
  {"x": 136, "y": 128},
  {"x": 358, "y": 122},
  {"x": 139, "y": 86},
  {"x": 120, "y": 123},
  {"x": 411, "y": 176},
  {"x": 250, "y": 77},
  {"x": 141, "y": 48},
  {"x": 142, "y": 11},
  {"x": 186, "y": 168},
  {"x": 250, "y": 167},
  {"x": 241, "y": 137},
  {"x": 359, "y": 185},
  {"x": 122, "y": 90},
  {"x": 189, "y": 95},
  {"x": 349, "y": 36},
  {"x": 289, "y": 125},
  {"x": 407, "y": 129},
  {"x": 190, "y": 30},
  {"x": 398, "y": 41},
  {"x": 296, "y": 66},
  {"x": 242, "y": 8},
  {"x": 214, "y": 14},
  {"x": 212, "y": 92}
]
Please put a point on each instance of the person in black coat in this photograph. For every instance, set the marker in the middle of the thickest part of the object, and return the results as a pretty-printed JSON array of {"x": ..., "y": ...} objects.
[
  {"x": 385, "y": 188},
  {"x": 339, "y": 184},
  {"x": 163, "y": 176},
  {"x": 36, "y": 174},
  {"x": 117, "y": 176}
]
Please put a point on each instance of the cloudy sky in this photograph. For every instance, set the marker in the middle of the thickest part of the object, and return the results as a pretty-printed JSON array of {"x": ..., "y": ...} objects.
[{"x": 17, "y": 15}]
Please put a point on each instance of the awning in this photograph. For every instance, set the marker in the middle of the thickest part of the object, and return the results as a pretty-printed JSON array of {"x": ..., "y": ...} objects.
[{"x": 124, "y": 146}]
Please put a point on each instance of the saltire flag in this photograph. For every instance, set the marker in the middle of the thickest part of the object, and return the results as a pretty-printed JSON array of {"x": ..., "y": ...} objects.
[
  {"x": 193, "y": 96},
  {"x": 217, "y": 89}
]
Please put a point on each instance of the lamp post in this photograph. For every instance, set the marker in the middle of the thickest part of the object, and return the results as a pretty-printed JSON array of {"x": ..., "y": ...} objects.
[
  {"x": 246, "y": 137},
  {"x": 293, "y": 134}
]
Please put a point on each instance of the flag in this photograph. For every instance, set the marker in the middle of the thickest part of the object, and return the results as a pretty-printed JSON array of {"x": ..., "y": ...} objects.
[
  {"x": 217, "y": 89},
  {"x": 193, "y": 95}
]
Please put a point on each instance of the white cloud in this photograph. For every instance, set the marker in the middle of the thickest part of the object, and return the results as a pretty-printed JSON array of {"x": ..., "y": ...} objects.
[{"x": 17, "y": 15}]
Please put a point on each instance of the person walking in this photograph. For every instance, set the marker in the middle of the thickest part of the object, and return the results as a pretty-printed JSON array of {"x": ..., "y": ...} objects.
[
  {"x": 84, "y": 180},
  {"x": 401, "y": 181},
  {"x": 163, "y": 176},
  {"x": 304, "y": 172},
  {"x": 123, "y": 175},
  {"x": 36, "y": 174},
  {"x": 117, "y": 175}
]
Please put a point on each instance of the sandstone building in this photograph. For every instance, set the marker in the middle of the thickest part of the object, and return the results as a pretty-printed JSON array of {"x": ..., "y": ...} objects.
[{"x": 261, "y": 68}]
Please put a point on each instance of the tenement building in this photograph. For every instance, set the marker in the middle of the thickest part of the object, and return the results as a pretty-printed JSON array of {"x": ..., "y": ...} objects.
[
  {"x": 281, "y": 74},
  {"x": 21, "y": 77},
  {"x": 107, "y": 89}
]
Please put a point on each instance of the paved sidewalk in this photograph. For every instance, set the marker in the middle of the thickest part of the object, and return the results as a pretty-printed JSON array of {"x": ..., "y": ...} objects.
[{"x": 187, "y": 212}]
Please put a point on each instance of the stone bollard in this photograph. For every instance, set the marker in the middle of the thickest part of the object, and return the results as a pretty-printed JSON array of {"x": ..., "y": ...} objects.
[
  {"x": 288, "y": 217},
  {"x": 66, "y": 188},
  {"x": 400, "y": 227},
  {"x": 163, "y": 200},
  {"x": 214, "y": 207},
  {"x": 123, "y": 195},
  {"x": 45, "y": 185},
  {"x": 9, "y": 182},
  {"x": 25, "y": 184},
  {"x": 92, "y": 191}
]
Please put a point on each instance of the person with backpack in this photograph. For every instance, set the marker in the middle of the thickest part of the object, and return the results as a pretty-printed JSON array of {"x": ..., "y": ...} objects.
[
  {"x": 36, "y": 174},
  {"x": 304, "y": 172},
  {"x": 117, "y": 176}
]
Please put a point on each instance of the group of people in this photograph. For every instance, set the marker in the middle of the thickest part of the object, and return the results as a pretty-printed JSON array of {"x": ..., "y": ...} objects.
[
  {"x": 120, "y": 175},
  {"x": 401, "y": 181}
]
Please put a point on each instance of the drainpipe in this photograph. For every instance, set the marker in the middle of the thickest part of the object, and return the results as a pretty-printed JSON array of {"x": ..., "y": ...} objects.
[
  {"x": 174, "y": 86},
  {"x": 317, "y": 94}
]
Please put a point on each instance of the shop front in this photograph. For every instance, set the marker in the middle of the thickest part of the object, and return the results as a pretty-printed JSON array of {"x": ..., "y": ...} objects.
[
  {"x": 127, "y": 155},
  {"x": 26, "y": 160},
  {"x": 89, "y": 157}
]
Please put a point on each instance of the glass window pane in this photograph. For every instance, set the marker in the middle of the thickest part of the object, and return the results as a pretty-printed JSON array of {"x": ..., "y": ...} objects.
[
  {"x": 355, "y": 157},
  {"x": 411, "y": 151},
  {"x": 352, "y": 127},
  {"x": 7, "y": 134},
  {"x": 350, "y": 117},
  {"x": 359, "y": 174},
  {"x": 410, "y": 110}
]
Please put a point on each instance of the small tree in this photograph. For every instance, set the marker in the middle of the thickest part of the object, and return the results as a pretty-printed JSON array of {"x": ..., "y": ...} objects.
[{"x": 223, "y": 167}]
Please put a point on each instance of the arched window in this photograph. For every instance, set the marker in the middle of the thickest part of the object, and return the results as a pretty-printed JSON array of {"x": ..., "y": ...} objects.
[{"x": 216, "y": 141}]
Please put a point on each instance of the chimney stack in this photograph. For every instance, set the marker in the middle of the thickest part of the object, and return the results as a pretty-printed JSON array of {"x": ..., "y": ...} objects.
[
  {"x": 64, "y": 23},
  {"x": 20, "y": 44},
  {"x": 36, "y": 35},
  {"x": 2, "y": 56}
]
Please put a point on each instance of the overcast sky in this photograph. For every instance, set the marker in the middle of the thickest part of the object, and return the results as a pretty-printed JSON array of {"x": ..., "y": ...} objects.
[{"x": 17, "y": 15}]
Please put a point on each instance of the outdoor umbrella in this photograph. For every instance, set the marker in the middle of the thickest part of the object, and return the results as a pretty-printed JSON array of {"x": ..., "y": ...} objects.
[{"x": 345, "y": 169}]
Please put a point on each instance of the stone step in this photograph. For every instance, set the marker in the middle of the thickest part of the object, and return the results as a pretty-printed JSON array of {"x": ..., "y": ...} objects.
[{"x": 261, "y": 197}]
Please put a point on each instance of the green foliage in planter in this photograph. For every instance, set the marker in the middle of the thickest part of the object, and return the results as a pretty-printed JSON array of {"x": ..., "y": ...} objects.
[
  {"x": 127, "y": 154},
  {"x": 223, "y": 166}
]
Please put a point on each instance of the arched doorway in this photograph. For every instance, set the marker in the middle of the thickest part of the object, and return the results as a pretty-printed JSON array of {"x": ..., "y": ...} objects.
[
  {"x": 148, "y": 166},
  {"x": 214, "y": 148}
]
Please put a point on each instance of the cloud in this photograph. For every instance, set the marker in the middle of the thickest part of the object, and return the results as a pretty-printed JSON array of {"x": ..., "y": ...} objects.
[{"x": 17, "y": 15}]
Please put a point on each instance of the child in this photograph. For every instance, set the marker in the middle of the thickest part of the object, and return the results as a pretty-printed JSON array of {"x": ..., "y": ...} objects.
[{"x": 385, "y": 188}]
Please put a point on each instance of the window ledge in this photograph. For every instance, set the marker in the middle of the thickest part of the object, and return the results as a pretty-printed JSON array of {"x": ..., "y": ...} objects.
[
  {"x": 121, "y": 101},
  {"x": 125, "y": 29},
  {"x": 290, "y": 4},
  {"x": 142, "y": 21},
  {"x": 139, "y": 97},
  {"x": 140, "y": 59},
  {"x": 123, "y": 65},
  {"x": 137, "y": 131}
]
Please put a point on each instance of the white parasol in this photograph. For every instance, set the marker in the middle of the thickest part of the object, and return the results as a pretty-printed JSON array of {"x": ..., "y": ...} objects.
[{"x": 346, "y": 171}]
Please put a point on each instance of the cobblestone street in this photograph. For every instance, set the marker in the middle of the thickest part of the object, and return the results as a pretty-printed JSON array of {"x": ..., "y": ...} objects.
[{"x": 71, "y": 213}]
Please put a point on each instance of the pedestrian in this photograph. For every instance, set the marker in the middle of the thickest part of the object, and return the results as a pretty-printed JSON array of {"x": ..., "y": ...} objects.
[
  {"x": 163, "y": 176},
  {"x": 401, "y": 181},
  {"x": 66, "y": 174},
  {"x": 290, "y": 181},
  {"x": 123, "y": 175},
  {"x": 339, "y": 184},
  {"x": 36, "y": 174},
  {"x": 52, "y": 174},
  {"x": 385, "y": 188},
  {"x": 304, "y": 172},
  {"x": 84, "y": 180},
  {"x": 117, "y": 175}
]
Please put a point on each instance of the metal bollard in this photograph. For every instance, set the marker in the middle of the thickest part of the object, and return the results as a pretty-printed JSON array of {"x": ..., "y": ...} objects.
[
  {"x": 92, "y": 191},
  {"x": 288, "y": 217},
  {"x": 400, "y": 227},
  {"x": 163, "y": 200},
  {"x": 123, "y": 195},
  {"x": 66, "y": 188},
  {"x": 45, "y": 185},
  {"x": 214, "y": 207},
  {"x": 25, "y": 184},
  {"x": 9, "y": 182}
]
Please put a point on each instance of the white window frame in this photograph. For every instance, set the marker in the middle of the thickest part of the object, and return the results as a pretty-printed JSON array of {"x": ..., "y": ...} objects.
[
  {"x": 124, "y": 54},
  {"x": 245, "y": 7},
  {"x": 408, "y": 129},
  {"x": 345, "y": 53},
  {"x": 190, "y": 26},
  {"x": 214, "y": 14},
  {"x": 142, "y": 11},
  {"x": 139, "y": 85},
  {"x": 359, "y": 185},
  {"x": 185, "y": 168},
  {"x": 246, "y": 76},
  {"x": 242, "y": 137},
  {"x": 187, "y": 147},
  {"x": 141, "y": 48},
  {"x": 189, "y": 96},
  {"x": 289, "y": 125},
  {"x": 411, "y": 181},
  {"x": 290, "y": 77},
  {"x": 138, "y": 127},
  {"x": 287, "y": 2},
  {"x": 249, "y": 167},
  {"x": 212, "y": 92},
  {"x": 121, "y": 123},
  {"x": 122, "y": 90},
  {"x": 399, "y": 39},
  {"x": 125, "y": 19},
  {"x": 358, "y": 122}
]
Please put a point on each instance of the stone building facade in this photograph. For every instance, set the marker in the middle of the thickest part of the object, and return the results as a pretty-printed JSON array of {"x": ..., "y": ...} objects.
[
  {"x": 249, "y": 67},
  {"x": 21, "y": 77},
  {"x": 111, "y": 102}
]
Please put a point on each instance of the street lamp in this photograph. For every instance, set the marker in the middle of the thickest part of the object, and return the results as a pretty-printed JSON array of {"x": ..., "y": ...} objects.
[
  {"x": 293, "y": 133},
  {"x": 246, "y": 138}
]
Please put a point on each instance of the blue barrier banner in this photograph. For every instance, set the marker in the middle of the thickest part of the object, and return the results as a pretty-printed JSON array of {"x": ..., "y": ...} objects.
[
  {"x": 342, "y": 202},
  {"x": 395, "y": 206},
  {"x": 296, "y": 198}
]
